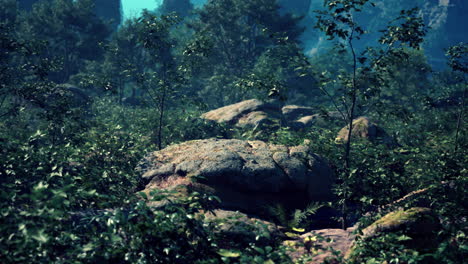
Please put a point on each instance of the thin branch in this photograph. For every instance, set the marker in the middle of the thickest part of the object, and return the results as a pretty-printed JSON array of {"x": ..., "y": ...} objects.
[{"x": 333, "y": 102}]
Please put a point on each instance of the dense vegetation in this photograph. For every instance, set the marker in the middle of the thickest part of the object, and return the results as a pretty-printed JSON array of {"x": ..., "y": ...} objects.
[{"x": 80, "y": 105}]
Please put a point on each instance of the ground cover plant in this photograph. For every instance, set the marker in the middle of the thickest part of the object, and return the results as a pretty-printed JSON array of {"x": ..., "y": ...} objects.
[{"x": 81, "y": 104}]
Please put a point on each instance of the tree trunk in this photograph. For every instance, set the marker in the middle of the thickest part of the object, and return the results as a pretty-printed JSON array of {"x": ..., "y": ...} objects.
[
  {"x": 350, "y": 131},
  {"x": 460, "y": 120}
]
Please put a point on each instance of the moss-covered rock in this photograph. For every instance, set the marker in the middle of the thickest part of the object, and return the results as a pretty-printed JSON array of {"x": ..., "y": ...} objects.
[
  {"x": 416, "y": 221},
  {"x": 415, "y": 229},
  {"x": 233, "y": 228}
]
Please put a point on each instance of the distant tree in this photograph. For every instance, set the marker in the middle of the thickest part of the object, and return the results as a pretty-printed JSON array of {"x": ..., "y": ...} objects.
[
  {"x": 180, "y": 7},
  {"x": 110, "y": 11},
  {"x": 458, "y": 62},
  {"x": 124, "y": 60},
  {"x": 9, "y": 48},
  {"x": 22, "y": 79},
  {"x": 26, "y": 4},
  {"x": 279, "y": 74},
  {"x": 72, "y": 31},
  {"x": 241, "y": 35},
  {"x": 226, "y": 46}
]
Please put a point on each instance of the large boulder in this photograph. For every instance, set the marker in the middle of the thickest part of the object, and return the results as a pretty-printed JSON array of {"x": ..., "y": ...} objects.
[
  {"x": 246, "y": 175},
  {"x": 365, "y": 129}
]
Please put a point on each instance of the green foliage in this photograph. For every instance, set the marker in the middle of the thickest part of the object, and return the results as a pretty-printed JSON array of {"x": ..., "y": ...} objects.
[
  {"x": 280, "y": 72},
  {"x": 447, "y": 200},
  {"x": 241, "y": 35},
  {"x": 387, "y": 248},
  {"x": 139, "y": 234},
  {"x": 228, "y": 46},
  {"x": 67, "y": 173},
  {"x": 257, "y": 255},
  {"x": 458, "y": 57},
  {"x": 297, "y": 220},
  {"x": 72, "y": 32},
  {"x": 181, "y": 8}
]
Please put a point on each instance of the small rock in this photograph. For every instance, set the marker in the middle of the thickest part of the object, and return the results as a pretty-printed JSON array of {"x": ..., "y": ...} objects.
[
  {"x": 365, "y": 129},
  {"x": 294, "y": 112}
]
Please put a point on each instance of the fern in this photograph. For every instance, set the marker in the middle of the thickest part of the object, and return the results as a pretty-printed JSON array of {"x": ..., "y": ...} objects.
[
  {"x": 298, "y": 219},
  {"x": 302, "y": 218}
]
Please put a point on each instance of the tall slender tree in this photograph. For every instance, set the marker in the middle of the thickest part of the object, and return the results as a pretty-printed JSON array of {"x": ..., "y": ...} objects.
[
  {"x": 338, "y": 21},
  {"x": 161, "y": 81}
]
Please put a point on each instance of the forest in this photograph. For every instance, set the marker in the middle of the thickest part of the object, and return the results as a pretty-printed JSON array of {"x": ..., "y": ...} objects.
[{"x": 209, "y": 134}]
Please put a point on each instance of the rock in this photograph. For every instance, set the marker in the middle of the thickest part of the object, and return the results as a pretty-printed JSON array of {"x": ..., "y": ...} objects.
[
  {"x": 294, "y": 112},
  {"x": 323, "y": 246},
  {"x": 417, "y": 221},
  {"x": 419, "y": 224},
  {"x": 365, "y": 129},
  {"x": 231, "y": 114},
  {"x": 257, "y": 114},
  {"x": 236, "y": 228},
  {"x": 305, "y": 122},
  {"x": 255, "y": 119},
  {"x": 246, "y": 175},
  {"x": 309, "y": 121}
]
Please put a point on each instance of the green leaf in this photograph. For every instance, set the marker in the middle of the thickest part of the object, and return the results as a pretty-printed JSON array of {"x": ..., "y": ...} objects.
[
  {"x": 41, "y": 186},
  {"x": 300, "y": 230},
  {"x": 229, "y": 253},
  {"x": 88, "y": 247},
  {"x": 404, "y": 238},
  {"x": 143, "y": 195},
  {"x": 259, "y": 250},
  {"x": 292, "y": 235},
  {"x": 41, "y": 236},
  {"x": 310, "y": 239}
]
